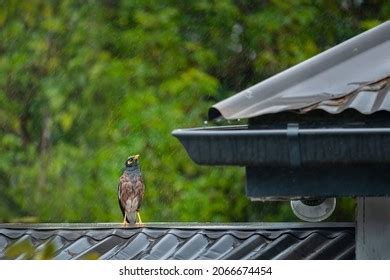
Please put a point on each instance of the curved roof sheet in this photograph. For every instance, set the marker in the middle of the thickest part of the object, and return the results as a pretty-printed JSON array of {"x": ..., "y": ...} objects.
[
  {"x": 188, "y": 241},
  {"x": 354, "y": 74}
]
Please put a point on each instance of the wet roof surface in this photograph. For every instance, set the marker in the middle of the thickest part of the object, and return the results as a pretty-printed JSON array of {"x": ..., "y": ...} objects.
[
  {"x": 187, "y": 241},
  {"x": 352, "y": 75}
]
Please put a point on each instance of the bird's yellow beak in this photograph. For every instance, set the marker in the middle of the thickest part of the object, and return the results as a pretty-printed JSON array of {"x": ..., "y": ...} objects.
[{"x": 136, "y": 157}]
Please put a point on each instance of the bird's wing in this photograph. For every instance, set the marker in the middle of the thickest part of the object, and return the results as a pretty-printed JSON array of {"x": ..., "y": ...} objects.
[
  {"x": 119, "y": 200},
  {"x": 139, "y": 191}
]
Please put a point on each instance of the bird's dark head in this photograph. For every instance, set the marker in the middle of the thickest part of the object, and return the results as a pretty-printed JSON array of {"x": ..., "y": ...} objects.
[{"x": 132, "y": 161}]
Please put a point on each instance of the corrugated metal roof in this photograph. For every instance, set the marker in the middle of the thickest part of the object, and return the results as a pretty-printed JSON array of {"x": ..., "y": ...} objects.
[
  {"x": 189, "y": 241},
  {"x": 354, "y": 74}
]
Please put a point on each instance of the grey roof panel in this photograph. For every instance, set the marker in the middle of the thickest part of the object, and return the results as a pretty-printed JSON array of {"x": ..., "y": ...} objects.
[
  {"x": 284, "y": 242},
  {"x": 242, "y": 241},
  {"x": 75, "y": 248},
  {"x": 193, "y": 248},
  {"x": 130, "y": 249},
  {"x": 354, "y": 74},
  {"x": 334, "y": 248},
  {"x": 3, "y": 243},
  {"x": 220, "y": 247},
  {"x": 243, "y": 249},
  {"x": 163, "y": 248},
  {"x": 304, "y": 248}
]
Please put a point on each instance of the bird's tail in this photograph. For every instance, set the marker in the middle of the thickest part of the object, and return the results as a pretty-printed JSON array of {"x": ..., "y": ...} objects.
[{"x": 131, "y": 218}]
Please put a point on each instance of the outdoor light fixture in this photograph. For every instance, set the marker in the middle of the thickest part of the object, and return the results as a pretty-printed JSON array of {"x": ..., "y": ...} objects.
[{"x": 313, "y": 210}]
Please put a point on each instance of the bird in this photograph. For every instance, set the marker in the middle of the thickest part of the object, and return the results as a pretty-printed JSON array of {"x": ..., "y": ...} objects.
[{"x": 131, "y": 190}]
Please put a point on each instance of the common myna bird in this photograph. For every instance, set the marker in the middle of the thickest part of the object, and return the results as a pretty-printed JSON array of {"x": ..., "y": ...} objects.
[{"x": 131, "y": 191}]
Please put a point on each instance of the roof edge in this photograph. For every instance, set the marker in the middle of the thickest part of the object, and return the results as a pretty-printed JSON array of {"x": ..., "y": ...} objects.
[
  {"x": 209, "y": 226},
  {"x": 300, "y": 72}
]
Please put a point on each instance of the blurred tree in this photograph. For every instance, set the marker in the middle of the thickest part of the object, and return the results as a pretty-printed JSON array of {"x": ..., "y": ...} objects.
[{"x": 84, "y": 84}]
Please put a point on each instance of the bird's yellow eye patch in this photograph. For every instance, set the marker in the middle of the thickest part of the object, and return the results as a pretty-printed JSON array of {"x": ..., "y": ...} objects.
[{"x": 129, "y": 161}]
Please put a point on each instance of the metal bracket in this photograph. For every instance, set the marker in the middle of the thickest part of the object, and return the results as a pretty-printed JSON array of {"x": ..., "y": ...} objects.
[{"x": 294, "y": 148}]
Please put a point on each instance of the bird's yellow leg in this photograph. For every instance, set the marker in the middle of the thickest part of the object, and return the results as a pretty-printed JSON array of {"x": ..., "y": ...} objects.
[
  {"x": 124, "y": 221},
  {"x": 139, "y": 219}
]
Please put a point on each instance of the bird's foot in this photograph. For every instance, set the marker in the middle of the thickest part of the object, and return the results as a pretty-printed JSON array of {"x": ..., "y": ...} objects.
[
  {"x": 139, "y": 223},
  {"x": 125, "y": 223}
]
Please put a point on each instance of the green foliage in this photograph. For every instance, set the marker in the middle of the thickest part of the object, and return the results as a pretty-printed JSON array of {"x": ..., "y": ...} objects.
[
  {"x": 84, "y": 84},
  {"x": 23, "y": 249}
]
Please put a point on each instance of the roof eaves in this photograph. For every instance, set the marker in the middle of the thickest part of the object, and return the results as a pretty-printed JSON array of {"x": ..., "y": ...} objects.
[{"x": 328, "y": 75}]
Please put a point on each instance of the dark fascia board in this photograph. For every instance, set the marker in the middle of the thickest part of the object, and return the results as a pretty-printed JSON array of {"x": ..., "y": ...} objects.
[
  {"x": 343, "y": 70},
  {"x": 280, "y": 183},
  {"x": 295, "y": 162},
  {"x": 289, "y": 147}
]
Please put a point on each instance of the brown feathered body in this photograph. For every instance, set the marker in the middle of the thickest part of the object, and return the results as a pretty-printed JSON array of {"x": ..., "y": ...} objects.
[{"x": 131, "y": 190}]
